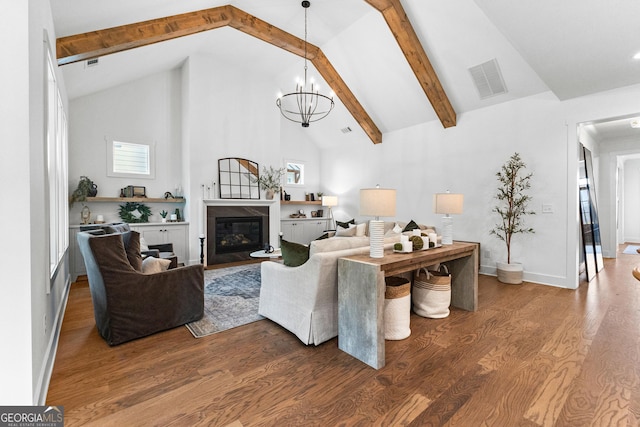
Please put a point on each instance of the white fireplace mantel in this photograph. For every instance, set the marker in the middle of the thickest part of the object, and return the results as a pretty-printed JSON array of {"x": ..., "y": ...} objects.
[{"x": 238, "y": 202}]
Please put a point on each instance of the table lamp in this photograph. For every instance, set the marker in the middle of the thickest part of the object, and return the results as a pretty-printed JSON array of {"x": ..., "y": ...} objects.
[
  {"x": 330, "y": 201},
  {"x": 447, "y": 204},
  {"x": 377, "y": 202}
]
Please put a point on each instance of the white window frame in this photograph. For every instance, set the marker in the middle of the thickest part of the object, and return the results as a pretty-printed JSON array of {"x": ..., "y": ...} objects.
[
  {"x": 56, "y": 141},
  {"x": 110, "y": 141}
]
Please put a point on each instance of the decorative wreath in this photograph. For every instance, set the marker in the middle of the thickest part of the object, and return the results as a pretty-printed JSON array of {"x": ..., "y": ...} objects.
[{"x": 135, "y": 212}]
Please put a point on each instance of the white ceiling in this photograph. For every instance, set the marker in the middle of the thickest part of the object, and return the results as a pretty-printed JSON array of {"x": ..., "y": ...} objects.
[{"x": 571, "y": 47}]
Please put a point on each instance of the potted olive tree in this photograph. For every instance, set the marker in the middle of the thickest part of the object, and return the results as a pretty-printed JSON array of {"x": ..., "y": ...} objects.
[{"x": 512, "y": 208}]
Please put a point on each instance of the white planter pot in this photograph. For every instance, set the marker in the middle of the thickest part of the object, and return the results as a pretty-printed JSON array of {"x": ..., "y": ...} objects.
[{"x": 509, "y": 273}]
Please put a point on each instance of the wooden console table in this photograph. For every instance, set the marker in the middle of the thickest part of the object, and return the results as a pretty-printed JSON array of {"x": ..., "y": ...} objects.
[{"x": 361, "y": 289}]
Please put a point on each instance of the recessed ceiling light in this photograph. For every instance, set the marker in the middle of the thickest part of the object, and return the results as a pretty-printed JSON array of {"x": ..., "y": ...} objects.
[
  {"x": 636, "y": 56},
  {"x": 635, "y": 123}
]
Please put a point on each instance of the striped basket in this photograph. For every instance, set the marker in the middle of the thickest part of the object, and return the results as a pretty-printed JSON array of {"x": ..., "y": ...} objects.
[
  {"x": 397, "y": 308},
  {"x": 432, "y": 292}
]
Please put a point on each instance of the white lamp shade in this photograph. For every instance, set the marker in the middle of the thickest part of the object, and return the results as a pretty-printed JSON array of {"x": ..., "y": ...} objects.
[
  {"x": 329, "y": 201},
  {"x": 448, "y": 203},
  {"x": 377, "y": 202}
]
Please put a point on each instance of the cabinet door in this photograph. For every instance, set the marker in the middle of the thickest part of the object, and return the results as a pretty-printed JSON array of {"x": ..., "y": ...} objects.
[
  {"x": 175, "y": 234},
  {"x": 76, "y": 258},
  {"x": 293, "y": 231},
  {"x": 178, "y": 236},
  {"x": 314, "y": 229}
]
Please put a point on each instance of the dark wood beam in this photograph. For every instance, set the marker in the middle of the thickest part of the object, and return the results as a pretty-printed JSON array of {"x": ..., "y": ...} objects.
[
  {"x": 93, "y": 44},
  {"x": 409, "y": 43}
]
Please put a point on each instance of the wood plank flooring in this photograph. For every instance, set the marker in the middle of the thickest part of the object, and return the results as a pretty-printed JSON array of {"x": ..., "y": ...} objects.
[{"x": 532, "y": 355}]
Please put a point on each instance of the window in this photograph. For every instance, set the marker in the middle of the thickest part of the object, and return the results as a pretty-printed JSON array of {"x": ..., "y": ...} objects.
[
  {"x": 295, "y": 173},
  {"x": 57, "y": 179},
  {"x": 130, "y": 160}
]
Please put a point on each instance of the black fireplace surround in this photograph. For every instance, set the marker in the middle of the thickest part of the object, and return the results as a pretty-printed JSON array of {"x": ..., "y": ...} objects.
[{"x": 233, "y": 232}]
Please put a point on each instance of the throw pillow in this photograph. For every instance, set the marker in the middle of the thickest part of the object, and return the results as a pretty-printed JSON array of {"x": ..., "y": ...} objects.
[
  {"x": 293, "y": 254},
  {"x": 345, "y": 224},
  {"x": 346, "y": 232},
  {"x": 361, "y": 229},
  {"x": 411, "y": 226},
  {"x": 151, "y": 265}
]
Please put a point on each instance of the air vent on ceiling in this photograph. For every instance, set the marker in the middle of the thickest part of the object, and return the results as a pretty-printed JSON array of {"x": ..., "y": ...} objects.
[
  {"x": 92, "y": 62},
  {"x": 488, "y": 79},
  {"x": 346, "y": 129}
]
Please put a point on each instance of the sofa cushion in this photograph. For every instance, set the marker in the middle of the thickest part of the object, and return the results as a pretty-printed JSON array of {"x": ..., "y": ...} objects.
[
  {"x": 337, "y": 244},
  {"x": 293, "y": 254},
  {"x": 346, "y": 232}
]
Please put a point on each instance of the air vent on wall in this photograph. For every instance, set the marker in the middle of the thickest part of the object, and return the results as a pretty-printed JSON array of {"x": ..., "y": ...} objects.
[
  {"x": 346, "y": 129},
  {"x": 488, "y": 79}
]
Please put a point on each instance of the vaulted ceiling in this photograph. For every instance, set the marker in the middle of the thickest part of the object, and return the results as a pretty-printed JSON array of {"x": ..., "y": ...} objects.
[{"x": 572, "y": 47}]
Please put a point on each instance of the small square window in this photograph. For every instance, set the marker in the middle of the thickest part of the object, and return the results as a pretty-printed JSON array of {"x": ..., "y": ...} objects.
[{"x": 130, "y": 160}]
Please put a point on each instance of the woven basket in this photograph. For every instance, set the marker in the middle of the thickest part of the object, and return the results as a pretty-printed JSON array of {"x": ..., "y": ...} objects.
[
  {"x": 432, "y": 293},
  {"x": 397, "y": 308}
]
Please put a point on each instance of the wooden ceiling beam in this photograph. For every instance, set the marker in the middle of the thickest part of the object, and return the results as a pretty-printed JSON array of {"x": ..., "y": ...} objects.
[
  {"x": 409, "y": 43},
  {"x": 93, "y": 44}
]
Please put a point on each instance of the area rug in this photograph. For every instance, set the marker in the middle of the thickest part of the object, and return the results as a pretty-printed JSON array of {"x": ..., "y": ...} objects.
[
  {"x": 631, "y": 249},
  {"x": 231, "y": 297}
]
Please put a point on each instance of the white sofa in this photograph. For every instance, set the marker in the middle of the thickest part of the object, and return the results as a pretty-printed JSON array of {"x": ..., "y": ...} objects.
[{"x": 304, "y": 299}]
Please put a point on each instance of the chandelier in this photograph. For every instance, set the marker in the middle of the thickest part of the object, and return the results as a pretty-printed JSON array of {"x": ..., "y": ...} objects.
[{"x": 306, "y": 104}]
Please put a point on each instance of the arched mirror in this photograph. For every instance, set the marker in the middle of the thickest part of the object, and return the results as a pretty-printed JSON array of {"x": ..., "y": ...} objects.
[{"x": 238, "y": 178}]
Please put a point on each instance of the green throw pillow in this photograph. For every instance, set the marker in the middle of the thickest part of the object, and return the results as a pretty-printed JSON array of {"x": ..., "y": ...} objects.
[
  {"x": 411, "y": 226},
  {"x": 293, "y": 254}
]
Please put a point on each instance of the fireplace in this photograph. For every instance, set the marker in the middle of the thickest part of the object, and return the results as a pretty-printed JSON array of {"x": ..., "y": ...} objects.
[
  {"x": 238, "y": 234},
  {"x": 233, "y": 232}
]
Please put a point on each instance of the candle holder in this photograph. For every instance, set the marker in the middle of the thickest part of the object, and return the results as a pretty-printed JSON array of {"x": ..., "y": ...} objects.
[{"x": 202, "y": 249}]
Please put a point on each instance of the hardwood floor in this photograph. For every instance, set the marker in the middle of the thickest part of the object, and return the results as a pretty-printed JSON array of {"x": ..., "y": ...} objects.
[{"x": 532, "y": 355}]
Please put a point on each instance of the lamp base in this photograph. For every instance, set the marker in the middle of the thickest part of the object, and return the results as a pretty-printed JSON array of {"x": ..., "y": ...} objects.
[
  {"x": 376, "y": 238},
  {"x": 447, "y": 230}
]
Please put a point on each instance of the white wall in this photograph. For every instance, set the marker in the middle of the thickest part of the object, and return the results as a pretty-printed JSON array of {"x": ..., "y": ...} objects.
[
  {"x": 425, "y": 159},
  {"x": 146, "y": 111},
  {"x": 227, "y": 112},
  {"x": 29, "y": 314}
]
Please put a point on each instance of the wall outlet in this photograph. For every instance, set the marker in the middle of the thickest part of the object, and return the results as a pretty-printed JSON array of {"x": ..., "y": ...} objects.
[
  {"x": 547, "y": 208},
  {"x": 487, "y": 254}
]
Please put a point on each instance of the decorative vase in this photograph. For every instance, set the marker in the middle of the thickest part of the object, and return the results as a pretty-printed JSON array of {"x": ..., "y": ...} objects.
[
  {"x": 269, "y": 194},
  {"x": 510, "y": 274},
  {"x": 94, "y": 191}
]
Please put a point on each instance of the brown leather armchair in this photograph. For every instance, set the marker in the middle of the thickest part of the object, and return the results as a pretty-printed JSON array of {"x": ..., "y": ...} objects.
[{"x": 129, "y": 304}]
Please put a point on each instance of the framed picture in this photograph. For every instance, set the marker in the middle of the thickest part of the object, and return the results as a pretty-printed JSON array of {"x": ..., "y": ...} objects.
[{"x": 139, "y": 191}]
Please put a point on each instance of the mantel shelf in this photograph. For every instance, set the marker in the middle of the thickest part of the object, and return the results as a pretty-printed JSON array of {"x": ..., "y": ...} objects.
[
  {"x": 135, "y": 199},
  {"x": 300, "y": 202}
]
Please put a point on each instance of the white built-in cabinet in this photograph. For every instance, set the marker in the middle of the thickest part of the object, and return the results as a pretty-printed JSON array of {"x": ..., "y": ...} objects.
[
  {"x": 303, "y": 230},
  {"x": 176, "y": 233},
  {"x": 171, "y": 232}
]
